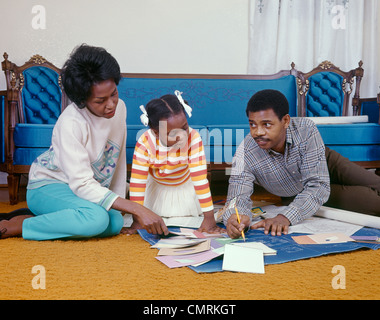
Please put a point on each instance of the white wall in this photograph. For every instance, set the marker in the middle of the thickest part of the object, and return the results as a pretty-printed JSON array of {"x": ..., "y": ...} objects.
[{"x": 154, "y": 36}]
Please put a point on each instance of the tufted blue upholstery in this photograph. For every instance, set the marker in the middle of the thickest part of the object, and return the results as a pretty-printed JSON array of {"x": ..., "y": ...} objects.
[
  {"x": 41, "y": 95},
  {"x": 218, "y": 107},
  {"x": 33, "y": 102},
  {"x": 325, "y": 95},
  {"x": 41, "y": 106},
  {"x": 326, "y": 91}
]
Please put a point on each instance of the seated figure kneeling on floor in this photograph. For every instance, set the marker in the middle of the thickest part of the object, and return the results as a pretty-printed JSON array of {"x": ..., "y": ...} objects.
[
  {"x": 169, "y": 169},
  {"x": 288, "y": 158},
  {"x": 77, "y": 188}
]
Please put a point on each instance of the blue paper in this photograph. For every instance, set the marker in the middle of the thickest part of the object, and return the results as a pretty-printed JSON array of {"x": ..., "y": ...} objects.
[{"x": 287, "y": 248}]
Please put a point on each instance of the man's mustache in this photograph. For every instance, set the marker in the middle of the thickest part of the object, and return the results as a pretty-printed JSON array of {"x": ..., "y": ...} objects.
[{"x": 261, "y": 139}]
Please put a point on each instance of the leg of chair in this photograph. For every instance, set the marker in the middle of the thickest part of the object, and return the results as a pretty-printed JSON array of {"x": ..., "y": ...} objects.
[{"x": 13, "y": 185}]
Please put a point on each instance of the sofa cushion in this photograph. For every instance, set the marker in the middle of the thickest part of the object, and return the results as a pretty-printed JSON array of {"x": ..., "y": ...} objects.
[
  {"x": 26, "y": 156},
  {"x": 356, "y": 141},
  {"x": 33, "y": 135},
  {"x": 358, "y": 152},
  {"x": 350, "y": 134}
]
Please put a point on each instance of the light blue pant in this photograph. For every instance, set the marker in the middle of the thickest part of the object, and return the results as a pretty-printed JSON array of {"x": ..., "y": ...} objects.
[{"x": 60, "y": 214}]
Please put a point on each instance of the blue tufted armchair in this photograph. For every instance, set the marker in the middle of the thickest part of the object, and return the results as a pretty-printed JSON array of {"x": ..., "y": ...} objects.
[
  {"x": 34, "y": 100},
  {"x": 326, "y": 91}
]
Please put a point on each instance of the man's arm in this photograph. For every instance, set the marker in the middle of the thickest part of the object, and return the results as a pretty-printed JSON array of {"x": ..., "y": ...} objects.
[
  {"x": 240, "y": 188},
  {"x": 315, "y": 179},
  {"x": 316, "y": 187}
]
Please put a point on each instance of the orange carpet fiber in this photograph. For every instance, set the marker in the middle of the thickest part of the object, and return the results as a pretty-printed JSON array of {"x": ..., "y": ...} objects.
[{"x": 124, "y": 267}]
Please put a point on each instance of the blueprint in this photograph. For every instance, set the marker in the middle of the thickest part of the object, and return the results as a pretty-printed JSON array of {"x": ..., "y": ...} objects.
[{"x": 287, "y": 249}]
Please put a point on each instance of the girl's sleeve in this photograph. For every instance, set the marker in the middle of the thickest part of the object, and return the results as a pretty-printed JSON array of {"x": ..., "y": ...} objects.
[
  {"x": 140, "y": 170},
  {"x": 198, "y": 171}
]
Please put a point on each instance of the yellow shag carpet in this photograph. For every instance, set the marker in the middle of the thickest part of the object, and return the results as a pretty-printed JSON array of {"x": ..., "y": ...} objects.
[{"x": 124, "y": 267}]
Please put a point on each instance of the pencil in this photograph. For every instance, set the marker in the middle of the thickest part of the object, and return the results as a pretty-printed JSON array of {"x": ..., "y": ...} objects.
[{"x": 238, "y": 218}]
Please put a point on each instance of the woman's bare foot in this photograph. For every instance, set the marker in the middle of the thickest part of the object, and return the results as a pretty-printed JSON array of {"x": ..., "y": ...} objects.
[
  {"x": 132, "y": 229},
  {"x": 12, "y": 227}
]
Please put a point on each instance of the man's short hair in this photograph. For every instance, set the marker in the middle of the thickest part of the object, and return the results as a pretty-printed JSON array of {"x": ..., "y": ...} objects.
[{"x": 268, "y": 99}]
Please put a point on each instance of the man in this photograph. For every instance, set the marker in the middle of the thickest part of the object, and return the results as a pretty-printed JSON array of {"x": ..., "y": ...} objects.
[{"x": 288, "y": 158}]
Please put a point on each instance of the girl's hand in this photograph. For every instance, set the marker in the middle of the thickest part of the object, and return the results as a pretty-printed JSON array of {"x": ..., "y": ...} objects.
[{"x": 209, "y": 225}]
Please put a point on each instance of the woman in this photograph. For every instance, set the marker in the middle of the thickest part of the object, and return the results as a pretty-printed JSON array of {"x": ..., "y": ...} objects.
[{"x": 76, "y": 189}]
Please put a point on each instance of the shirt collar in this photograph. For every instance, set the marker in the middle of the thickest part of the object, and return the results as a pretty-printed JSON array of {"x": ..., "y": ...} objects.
[{"x": 288, "y": 142}]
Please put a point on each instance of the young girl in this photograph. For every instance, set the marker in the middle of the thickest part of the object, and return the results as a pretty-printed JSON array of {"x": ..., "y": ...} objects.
[
  {"x": 77, "y": 188},
  {"x": 169, "y": 174}
]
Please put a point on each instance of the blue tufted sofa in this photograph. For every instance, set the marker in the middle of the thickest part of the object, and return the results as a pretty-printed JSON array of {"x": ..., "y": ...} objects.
[{"x": 218, "y": 102}]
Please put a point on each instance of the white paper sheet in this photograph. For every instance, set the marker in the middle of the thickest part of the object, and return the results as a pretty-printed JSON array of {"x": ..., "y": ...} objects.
[
  {"x": 318, "y": 224},
  {"x": 349, "y": 216},
  {"x": 243, "y": 259}
]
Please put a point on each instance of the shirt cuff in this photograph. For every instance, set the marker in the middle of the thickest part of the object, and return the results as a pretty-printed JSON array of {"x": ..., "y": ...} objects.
[
  {"x": 293, "y": 215},
  {"x": 108, "y": 200}
]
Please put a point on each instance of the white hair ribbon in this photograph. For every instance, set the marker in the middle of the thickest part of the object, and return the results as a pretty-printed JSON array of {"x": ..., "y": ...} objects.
[
  {"x": 144, "y": 117},
  {"x": 187, "y": 108}
]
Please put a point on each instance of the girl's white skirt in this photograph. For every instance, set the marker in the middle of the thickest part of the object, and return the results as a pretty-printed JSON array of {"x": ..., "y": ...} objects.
[{"x": 177, "y": 205}]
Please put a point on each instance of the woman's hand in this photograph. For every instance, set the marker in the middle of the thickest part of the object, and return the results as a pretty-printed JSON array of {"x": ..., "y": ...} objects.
[{"x": 146, "y": 218}]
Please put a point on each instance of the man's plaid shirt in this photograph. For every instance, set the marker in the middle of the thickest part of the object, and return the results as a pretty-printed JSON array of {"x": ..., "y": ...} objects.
[{"x": 301, "y": 171}]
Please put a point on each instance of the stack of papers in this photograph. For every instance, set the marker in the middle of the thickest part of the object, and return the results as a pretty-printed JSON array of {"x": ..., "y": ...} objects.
[
  {"x": 189, "y": 247},
  {"x": 177, "y": 242},
  {"x": 179, "y": 254}
]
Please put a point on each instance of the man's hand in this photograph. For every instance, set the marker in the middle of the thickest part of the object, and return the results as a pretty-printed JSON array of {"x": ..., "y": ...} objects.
[
  {"x": 234, "y": 228},
  {"x": 279, "y": 224}
]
